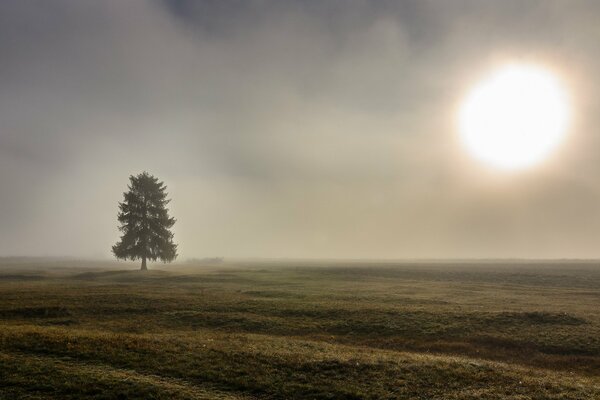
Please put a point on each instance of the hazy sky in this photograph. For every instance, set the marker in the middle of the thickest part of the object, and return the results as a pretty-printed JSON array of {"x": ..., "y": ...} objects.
[{"x": 289, "y": 128}]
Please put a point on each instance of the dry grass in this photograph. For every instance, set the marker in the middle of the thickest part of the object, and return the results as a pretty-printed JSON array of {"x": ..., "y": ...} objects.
[{"x": 301, "y": 331}]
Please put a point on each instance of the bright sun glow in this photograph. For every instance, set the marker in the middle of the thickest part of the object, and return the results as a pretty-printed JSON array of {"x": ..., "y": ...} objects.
[{"x": 515, "y": 118}]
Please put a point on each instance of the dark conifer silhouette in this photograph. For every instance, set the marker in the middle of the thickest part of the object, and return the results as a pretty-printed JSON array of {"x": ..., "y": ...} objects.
[{"x": 145, "y": 222}]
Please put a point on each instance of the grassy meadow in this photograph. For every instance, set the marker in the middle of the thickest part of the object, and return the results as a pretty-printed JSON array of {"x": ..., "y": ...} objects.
[{"x": 300, "y": 330}]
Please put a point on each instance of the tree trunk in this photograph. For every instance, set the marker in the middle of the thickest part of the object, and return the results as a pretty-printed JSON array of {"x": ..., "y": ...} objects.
[{"x": 144, "y": 264}]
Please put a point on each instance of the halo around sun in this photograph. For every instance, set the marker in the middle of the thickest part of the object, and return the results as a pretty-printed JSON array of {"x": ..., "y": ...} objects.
[{"x": 515, "y": 118}]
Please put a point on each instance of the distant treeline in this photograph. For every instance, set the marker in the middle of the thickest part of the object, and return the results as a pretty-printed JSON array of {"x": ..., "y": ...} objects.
[{"x": 206, "y": 260}]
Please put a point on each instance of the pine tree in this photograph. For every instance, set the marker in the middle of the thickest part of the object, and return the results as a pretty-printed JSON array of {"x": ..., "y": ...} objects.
[{"x": 145, "y": 222}]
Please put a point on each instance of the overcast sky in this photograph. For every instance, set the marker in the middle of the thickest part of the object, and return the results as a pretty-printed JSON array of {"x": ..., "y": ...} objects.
[{"x": 289, "y": 128}]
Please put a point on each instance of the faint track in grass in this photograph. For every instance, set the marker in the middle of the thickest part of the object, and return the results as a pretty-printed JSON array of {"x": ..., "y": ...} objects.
[{"x": 170, "y": 388}]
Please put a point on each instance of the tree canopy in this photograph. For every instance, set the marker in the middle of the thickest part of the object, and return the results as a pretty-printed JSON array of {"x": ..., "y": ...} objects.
[{"x": 145, "y": 222}]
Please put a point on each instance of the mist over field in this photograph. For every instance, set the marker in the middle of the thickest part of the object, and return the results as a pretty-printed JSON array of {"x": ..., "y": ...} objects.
[{"x": 288, "y": 128}]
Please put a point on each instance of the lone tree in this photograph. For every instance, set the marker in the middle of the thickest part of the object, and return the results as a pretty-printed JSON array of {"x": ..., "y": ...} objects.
[{"x": 145, "y": 222}]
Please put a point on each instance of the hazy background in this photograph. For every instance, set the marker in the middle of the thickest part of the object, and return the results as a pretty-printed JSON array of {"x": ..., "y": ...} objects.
[{"x": 288, "y": 128}]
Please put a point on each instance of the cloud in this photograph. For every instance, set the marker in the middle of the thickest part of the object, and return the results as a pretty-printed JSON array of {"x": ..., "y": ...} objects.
[{"x": 298, "y": 129}]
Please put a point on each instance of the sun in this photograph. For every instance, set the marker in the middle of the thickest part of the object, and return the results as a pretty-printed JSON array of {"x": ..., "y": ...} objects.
[{"x": 515, "y": 118}]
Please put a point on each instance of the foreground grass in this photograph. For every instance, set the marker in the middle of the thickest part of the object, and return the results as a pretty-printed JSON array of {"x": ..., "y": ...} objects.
[{"x": 302, "y": 332}]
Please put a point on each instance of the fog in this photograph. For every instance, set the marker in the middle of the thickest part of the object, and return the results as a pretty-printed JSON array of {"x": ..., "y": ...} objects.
[{"x": 299, "y": 129}]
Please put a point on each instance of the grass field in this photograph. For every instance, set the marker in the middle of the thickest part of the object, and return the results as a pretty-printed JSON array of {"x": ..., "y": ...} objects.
[{"x": 300, "y": 330}]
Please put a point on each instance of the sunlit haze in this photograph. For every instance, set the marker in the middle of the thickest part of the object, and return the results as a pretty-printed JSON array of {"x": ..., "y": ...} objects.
[
  {"x": 516, "y": 117},
  {"x": 304, "y": 129}
]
